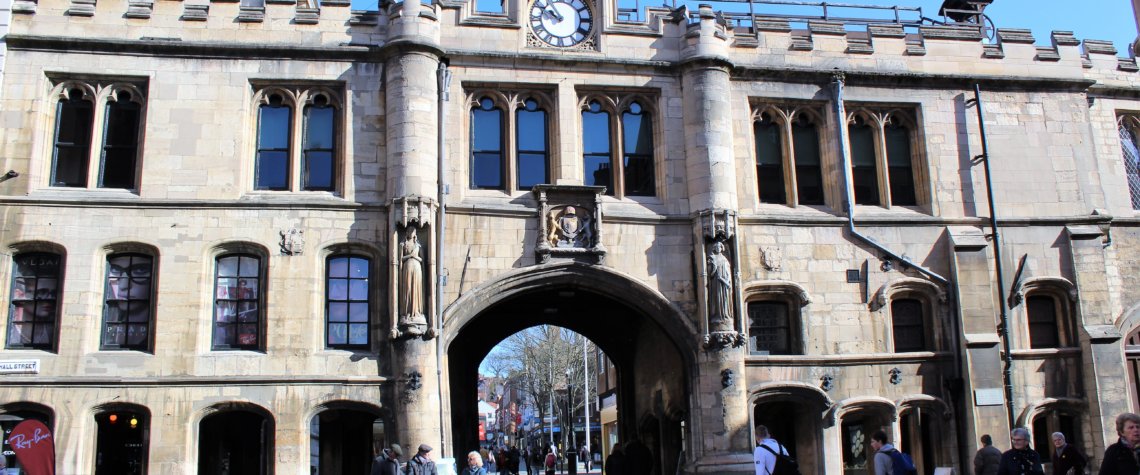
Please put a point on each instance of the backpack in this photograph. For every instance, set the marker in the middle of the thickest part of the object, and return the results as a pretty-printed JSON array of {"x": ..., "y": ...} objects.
[
  {"x": 785, "y": 464},
  {"x": 551, "y": 459},
  {"x": 901, "y": 464}
]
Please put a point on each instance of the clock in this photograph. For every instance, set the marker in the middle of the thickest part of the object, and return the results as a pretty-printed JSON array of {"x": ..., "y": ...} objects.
[{"x": 561, "y": 23}]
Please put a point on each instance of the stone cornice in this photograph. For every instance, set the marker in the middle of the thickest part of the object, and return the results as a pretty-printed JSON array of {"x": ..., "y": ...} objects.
[
  {"x": 914, "y": 80},
  {"x": 189, "y": 381},
  {"x": 141, "y": 203},
  {"x": 174, "y": 47}
]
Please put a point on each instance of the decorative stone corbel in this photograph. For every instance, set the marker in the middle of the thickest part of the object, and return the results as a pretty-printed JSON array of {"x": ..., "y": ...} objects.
[{"x": 412, "y": 382}]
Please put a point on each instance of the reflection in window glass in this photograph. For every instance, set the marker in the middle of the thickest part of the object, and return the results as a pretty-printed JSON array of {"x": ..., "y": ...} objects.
[
  {"x": 127, "y": 308},
  {"x": 769, "y": 160},
  {"x": 898, "y": 165},
  {"x": 864, "y": 177},
  {"x": 532, "y": 144},
  {"x": 596, "y": 147},
  {"x": 809, "y": 174},
  {"x": 237, "y": 302},
  {"x": 74, "y": 118},
  {"x": 637, "y": 136},
  {"x": 907, "y": 325},
  {"x": 120, "y": 142},
  {"x": 318, "y": 157},
  {"x": 273, "y": 145},
  {"x": 35, "y": 301},
  {"x": 487, "y": 146},
  {"x": 347, "y": 302}
]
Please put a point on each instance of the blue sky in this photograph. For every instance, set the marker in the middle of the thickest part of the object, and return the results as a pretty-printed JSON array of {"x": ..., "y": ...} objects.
[{"x": 1090, "y": 19}]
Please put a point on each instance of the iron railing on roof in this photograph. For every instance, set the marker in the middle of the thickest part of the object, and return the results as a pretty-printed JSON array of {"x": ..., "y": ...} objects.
[{"x": 743, "y": 13}]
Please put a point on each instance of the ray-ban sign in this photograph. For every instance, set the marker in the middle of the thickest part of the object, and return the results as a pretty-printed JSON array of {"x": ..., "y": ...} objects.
[{"x": 19, "y": 366}]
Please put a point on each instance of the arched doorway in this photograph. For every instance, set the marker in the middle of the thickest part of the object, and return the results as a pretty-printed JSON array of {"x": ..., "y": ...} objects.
[
  {"x": 645, "y": 336},
  {"x": 236, "y": 438},
  {"x": 344, "y": 438},
  {"x": 122, "y": 439},
  {"x": 793, "y": 414}
]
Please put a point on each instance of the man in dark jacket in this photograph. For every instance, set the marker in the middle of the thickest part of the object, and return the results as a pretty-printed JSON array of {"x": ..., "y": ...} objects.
[
  {"x": 421, "y": 463},
  {"x": 988, "y": 458},
  {"x": 615, "y": 463},
  {"x": 388, "y": 463},
  {"x": 1021, "y": 459},
  {"x": 1121, "y": 457},
  {"x": 1066, "y": 458}
]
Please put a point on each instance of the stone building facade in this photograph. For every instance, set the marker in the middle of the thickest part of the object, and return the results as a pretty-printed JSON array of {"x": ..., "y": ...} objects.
[{"x": 256, "y": 236}]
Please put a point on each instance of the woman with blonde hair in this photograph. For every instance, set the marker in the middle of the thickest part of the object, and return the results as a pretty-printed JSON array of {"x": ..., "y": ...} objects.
[{"x": 474, "y": 464}]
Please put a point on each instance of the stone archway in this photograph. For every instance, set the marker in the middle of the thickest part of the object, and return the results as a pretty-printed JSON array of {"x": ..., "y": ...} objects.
[{"x": 651, "y": 342}]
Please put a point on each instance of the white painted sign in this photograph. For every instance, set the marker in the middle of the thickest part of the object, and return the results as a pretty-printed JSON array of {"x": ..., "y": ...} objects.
[
  {"x": 989, "y": 397},
  {"x": 19, "y": 366}
]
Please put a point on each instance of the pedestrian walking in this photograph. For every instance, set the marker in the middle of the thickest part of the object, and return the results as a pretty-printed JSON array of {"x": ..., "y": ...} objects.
[
  {"x": 1067, "y": 460},
  {"x": 474, "y": 464},
  {"x": 615, "y": 463},
  {"x": 421, "y": 463},
  {"x": 388, "y": 463},
  {"x": 764, "y": 455},
  {"x": 1120, "y": 458},
  {"x": 550, "y": 461},
  {"x": 988, "y": 458},
  {"x": 1021, "y": 459}
]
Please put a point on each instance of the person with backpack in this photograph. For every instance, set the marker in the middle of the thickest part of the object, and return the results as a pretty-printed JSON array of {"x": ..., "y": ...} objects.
[
  {"x": 770, "y": 457},
  {"x": 888, "y": 459},
  {"x": 1021, "y": 459}
]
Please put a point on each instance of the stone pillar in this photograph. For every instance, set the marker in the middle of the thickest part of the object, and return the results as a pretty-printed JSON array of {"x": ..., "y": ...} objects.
[
  {"x": 411, "y": 101},
  {"x": 983, "y": 393},
  {"x": 707, "y": 107},
  {"x": 1104, "y": 373},
  {"x": 722, "y": 436}
]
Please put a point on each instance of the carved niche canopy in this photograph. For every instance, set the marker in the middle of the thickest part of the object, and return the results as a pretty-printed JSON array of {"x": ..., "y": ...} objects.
[{"x": 569, "y": 222}]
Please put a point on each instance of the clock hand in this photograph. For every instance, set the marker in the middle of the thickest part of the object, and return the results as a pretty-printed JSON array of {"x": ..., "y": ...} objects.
[{"x": 553, "y": 12}]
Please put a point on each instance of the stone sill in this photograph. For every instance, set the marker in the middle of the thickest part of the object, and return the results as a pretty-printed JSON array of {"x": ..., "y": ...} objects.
[
  {"x": 1045, "y": 353},
  {"x": 190, "y": 381},
  {"x": 847, "y": 360}
]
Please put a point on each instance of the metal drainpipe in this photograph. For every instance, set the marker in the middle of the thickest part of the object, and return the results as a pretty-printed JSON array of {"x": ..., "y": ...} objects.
[
  {"x": 848, "y": 193},
  {"x": 1003, "y": 322},
  {"x": 444, "y": 76}
]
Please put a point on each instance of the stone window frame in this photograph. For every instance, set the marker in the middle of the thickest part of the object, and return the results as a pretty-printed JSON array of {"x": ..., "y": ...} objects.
[
  {"x": 878, "y": 117},
  {"x": 934, "y": 309},
  {"x": 262, "y": 297},
  {"x": 353, "y": 251},
  {"x": 46, "y": 248},
  {"x": 616, "y": 104},
  {"x": 789, "y": 293},
  {"x": 297, "y": 97},
  {"x": 1128, "y": 129},
  {"x": 130, "y": 249},
  {"x": 784, "y": 115},
  {"x": 510, "y": 100},
  {"x": 1064, "y": 296},
  {"x": 101, "y": 93}
]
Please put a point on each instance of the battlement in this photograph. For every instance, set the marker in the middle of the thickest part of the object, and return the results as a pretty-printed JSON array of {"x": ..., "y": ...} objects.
[{"x": 904, "y": 42}]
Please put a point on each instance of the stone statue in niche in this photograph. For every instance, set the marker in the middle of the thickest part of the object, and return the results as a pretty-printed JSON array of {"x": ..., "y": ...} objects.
[
  {"x": 568, "y": 228},
  {"x": 411, "y": 304},
  {"x": 720, "y": 289}
]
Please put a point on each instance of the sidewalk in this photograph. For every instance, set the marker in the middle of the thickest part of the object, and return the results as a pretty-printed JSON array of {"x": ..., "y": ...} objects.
[{"x": 596, "y": 470}]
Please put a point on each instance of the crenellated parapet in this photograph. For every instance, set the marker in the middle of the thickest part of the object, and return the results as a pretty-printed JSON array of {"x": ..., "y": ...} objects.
[{"x": 654, "y": 35}]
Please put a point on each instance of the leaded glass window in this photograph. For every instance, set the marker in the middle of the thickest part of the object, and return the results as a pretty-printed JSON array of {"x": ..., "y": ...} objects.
[
  {"x": 770, "y": 328},
  {"x": 237, "y": 302},
  {"x": 908, "y": 325},
  {"x": 74, "y": 119},
  {"x": 34, "y": 311},
  {"x": 347, "y": 301},
  {"x": 487, "y": 145},
  {"x": 1043, "y": 329},
  {"x": 318, "y": 159},
  {"x": 127, "y": 302},
  {"x": 273, "y": 144}
]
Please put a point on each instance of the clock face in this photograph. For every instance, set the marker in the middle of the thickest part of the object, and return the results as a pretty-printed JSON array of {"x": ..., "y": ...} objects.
[{"x": 561, "y": 22}]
